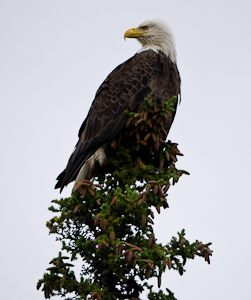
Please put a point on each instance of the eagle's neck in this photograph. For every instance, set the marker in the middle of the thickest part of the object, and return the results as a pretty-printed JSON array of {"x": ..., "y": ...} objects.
[
  {"x": 160, "y": 42},
  {"x": 155, "y": 49},
  {"x": 171, "y": 52}
]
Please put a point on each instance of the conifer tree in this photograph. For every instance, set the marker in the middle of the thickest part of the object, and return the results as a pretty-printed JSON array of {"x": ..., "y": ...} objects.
[{"x": 107, "y": 223}]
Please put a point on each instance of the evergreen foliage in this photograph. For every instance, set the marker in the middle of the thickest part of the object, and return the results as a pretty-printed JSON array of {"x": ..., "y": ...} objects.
[{"x": 108, "y": 223}]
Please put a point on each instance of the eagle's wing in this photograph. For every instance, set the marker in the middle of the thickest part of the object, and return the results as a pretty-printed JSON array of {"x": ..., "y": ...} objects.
[{"x": 124, "y": 89}]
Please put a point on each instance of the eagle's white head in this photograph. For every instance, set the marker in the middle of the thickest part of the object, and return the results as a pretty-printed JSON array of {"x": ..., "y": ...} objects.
[{"x": 154, "y": 34}]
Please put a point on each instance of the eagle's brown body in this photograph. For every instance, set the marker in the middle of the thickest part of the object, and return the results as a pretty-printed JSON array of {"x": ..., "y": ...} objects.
[{"x": 148, "y": 72}]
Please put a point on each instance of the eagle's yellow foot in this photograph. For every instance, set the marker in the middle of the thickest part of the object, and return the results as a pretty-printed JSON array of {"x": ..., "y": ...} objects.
[{"x": 141, "y": 164}]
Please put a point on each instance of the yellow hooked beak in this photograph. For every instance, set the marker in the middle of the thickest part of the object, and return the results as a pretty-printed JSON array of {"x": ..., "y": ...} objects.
[{"x": 134, "y": 33}]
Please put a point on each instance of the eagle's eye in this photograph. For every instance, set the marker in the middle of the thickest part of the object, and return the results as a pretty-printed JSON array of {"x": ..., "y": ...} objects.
[{"x": 144, "y": 27}]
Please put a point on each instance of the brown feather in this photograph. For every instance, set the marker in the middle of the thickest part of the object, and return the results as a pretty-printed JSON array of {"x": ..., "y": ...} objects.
[{"x": 147, "y": 72}]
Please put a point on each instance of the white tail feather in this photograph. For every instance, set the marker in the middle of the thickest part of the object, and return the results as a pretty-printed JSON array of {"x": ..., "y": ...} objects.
[{"x": 95, "y": 161}]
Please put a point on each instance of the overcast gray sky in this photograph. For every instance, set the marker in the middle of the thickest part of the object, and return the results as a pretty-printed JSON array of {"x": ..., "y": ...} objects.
[{"x": 54, "y": 54}]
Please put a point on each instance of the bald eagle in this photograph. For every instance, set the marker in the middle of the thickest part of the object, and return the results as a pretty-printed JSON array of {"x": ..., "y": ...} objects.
[{"x": 152, "y": 70}]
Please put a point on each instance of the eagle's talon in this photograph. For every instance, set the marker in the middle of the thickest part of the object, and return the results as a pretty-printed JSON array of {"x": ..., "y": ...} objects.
[{"x": 140, "y": 163}]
